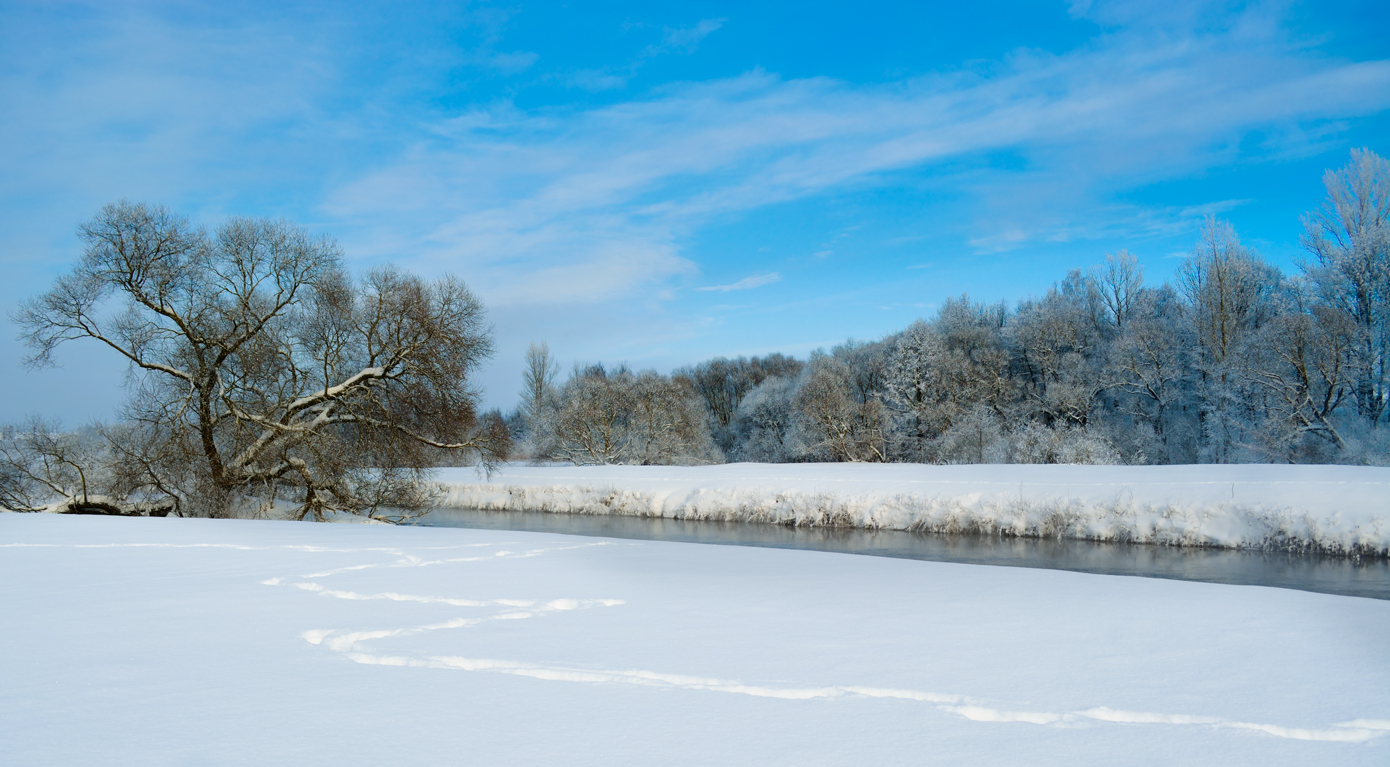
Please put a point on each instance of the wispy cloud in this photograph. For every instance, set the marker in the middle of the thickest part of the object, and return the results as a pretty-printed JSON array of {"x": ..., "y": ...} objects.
[
  {"x": 677, "y": 40},
  {"x": 1105, "y": 221},
  {"x": 592, "y": 213},
  {"x": 747, "y": 283},
  {"x": 686, "y": 39},
  {"x": 501, "y": 192}
]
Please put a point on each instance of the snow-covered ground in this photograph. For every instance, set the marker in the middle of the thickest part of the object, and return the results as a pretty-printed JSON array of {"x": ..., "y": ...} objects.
[
  {"x": 1335, "y": 509},
  {"x": 191, "y": 642}
]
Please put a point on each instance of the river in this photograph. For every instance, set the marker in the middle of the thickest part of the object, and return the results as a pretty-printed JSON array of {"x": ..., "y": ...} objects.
[{"x": 1306, "y": 572}]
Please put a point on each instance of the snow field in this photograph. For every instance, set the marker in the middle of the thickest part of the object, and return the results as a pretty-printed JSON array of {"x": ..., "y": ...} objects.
[
  {"x": 1328, "y": 509},
  {"x": 174, "y": 641}
]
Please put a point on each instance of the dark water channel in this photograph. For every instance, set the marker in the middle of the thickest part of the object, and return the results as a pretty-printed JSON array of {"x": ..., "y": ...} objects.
[{"x": 1306, "y": 572}]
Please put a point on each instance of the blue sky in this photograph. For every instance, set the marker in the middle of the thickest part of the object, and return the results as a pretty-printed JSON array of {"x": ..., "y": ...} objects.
[{"x": 663, "y": 183}]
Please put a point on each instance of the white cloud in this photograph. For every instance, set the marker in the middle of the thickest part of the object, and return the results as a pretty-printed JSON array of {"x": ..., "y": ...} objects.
[
  {"x": 685, "y": 39},
  {"x": 587, "y": 213},
  {"x": 747, "y": 283},
  {"x": 1114, "y": 221},
  {"x": 511, "y": 194},
  {"x": 679, "y": 40}
]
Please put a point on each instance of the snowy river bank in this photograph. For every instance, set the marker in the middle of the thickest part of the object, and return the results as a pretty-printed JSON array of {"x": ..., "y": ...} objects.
[{"x": 1340, "y": 510}]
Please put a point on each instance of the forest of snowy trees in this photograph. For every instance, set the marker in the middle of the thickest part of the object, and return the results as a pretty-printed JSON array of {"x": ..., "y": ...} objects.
[{"x": 1233, "y": 361}]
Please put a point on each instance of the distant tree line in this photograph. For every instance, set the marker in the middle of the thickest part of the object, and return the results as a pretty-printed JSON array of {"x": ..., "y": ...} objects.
[{"x": 1233, "y": 361}]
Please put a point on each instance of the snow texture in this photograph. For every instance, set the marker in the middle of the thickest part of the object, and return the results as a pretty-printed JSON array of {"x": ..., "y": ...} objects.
[
  {"x": 175, "y": 641},
  {"x": 1328, "y": 509}
]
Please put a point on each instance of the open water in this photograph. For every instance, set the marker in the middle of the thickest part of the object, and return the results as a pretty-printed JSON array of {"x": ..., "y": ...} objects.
[{"x": 1306, "y": 572}]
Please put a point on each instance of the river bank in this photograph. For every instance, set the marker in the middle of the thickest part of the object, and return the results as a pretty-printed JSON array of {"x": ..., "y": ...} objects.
[{"x": 1334, "y": 510}]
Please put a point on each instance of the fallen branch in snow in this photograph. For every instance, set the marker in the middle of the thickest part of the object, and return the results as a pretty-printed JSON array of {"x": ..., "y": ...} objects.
[{"x": 101, "y": 505}]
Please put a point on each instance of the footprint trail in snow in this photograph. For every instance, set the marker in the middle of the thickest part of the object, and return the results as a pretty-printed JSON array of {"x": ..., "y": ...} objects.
[{"x": 353, "y": 645}]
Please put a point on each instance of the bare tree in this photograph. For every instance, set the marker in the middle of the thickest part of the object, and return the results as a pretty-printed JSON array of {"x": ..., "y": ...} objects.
[
  {"x": 1118, "y": 284},
  {"x": 263, "y": 374},
  {"x": 616, "y": 416},
  {"x": 1231, "y": 293},
  {"x": 45, "y": 469},
  {"x": 1056, "y": 340},
  {"x": 591, "y": 426},
  {"x": 669, "y": 422},
  {"x": 1350, "y": 240},
  {"x": 538, "y": 380},
  {"x": 1304, "y": 363},
  {"x": 1229, "y": 290},
  {"x": 1149, "y": 366},
  {"x": 845, "y": 426},
  {"x": 723, "y": 383}
]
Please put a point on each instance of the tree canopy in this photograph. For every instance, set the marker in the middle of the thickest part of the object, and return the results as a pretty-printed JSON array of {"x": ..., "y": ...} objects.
[{"x": 263, "y": 373}]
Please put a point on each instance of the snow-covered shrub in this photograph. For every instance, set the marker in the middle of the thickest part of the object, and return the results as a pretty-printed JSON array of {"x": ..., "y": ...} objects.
[
  {"x": 976, "y": 437},
  {"x": 1036, "y": 443}
]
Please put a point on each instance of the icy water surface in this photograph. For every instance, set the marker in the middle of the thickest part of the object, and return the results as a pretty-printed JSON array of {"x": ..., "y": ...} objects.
[{"x": 1330, "y": 575}]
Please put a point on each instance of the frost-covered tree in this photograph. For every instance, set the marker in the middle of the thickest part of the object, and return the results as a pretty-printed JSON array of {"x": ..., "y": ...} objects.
[
  {"x": 925, "y": 387},
  {"x": 1231, "y": 293},
  {"x": 1350, "y": 241},
  {"x": 591, "y": 425},
  {"x": 1056, "y": 340},
  {"x": 1229, "y": 362},
  {"x": 534, "y": 417},
  {"x": 1149, "y": 368},
  {"x": 616, "y": 416},
  {"x": 837, "y": 420},
  {"x": 262, "y": 373},
  {"x": 1036, "y": 443},
  {"x": 936, "y": 371},
  {"x": 1118, "y": 283},
  {"x": 975, "y": 436},
  {"x": 669, "y": 423},
  {"x": 723, "y": 383},
  {"x": 538, "y": 382},
  {"x": 766, "y": 424},
  {"x": 1302, "y": 361}
]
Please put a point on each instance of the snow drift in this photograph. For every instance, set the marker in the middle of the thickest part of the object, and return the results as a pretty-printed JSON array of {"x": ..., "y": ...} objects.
[{"x": 1325, "y": 509}]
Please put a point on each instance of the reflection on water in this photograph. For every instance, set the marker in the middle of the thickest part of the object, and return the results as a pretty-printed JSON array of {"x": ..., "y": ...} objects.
[{"x": 1331, "y": 575}]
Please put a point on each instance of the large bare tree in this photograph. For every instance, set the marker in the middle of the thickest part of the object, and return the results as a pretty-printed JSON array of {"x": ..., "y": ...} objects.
[{"x": 263, "y": 374}]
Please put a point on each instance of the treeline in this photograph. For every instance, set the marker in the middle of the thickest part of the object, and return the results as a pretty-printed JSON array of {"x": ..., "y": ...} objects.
[{"x": 1233, "y": 361}]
